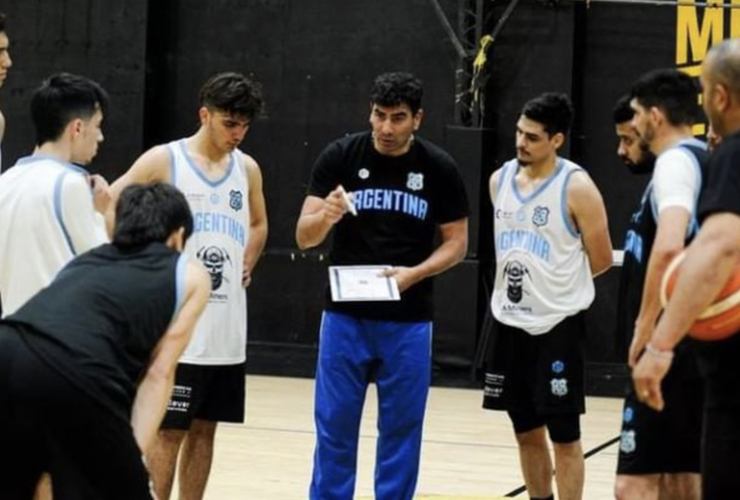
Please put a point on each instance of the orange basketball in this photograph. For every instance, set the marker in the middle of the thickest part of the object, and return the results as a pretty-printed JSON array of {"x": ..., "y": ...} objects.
[{"x": 718, "y": 321}]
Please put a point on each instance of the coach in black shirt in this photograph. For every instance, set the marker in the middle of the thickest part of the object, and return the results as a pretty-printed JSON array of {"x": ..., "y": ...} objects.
[
  {"x": 406, "y": 191},
  {"x": 710, "y": 260}
]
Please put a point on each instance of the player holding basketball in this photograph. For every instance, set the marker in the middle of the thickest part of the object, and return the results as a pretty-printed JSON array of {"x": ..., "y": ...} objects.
[
  {"x": 406, "y": 192},
  {"x": 710, "y": 259},
  {"x": 224, "y": 189},
  {"x": 659, "y": 451},
  {"x": 87, "y": 364},
  {"x": 551, "y": 237}
]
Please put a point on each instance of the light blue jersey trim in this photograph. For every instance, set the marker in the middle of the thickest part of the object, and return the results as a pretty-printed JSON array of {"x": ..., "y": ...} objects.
[
  {"x": 67, "y": 165},
  {"x": 58, "y": 210},
  {"x": 182, "y": 265},
  {"x": 564, "y": 204},
  {"x": 536, "y": 192},
  {"x": 200, "y": 173},
  {"x": 173, "y": 170},
  {"x": 693, "y": 227},
  {"x": 502, "y": 178}
]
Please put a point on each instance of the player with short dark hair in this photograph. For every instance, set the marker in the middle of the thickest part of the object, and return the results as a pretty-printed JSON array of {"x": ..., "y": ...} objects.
[
  {"x": 551, "y": 239},
  {"x": 87, "y": 364},
  {"x": 224, "y": 189},
  {"x": 659, "y": 452},
  {"x": 713, "y": 255}
]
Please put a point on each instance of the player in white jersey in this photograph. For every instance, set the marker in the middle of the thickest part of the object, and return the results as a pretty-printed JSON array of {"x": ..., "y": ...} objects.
[
  {"x": 5, "y": 64},
  {"x": 224, "y": 189},
  {"x": 47, "y": 208},
  {"x": 48, "y": 211},
  {"x": 551, "y": 239}
]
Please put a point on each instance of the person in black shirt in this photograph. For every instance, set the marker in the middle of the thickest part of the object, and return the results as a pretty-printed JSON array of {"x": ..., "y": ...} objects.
[
  {"x": 659, "y": 451},
  {"x": 406, "y": 190},
  {"x": 710, "y": 259},
  {"x": 87, "y": 364}
]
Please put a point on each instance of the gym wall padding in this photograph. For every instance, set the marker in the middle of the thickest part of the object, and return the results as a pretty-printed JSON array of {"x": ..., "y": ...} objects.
[
  {"x": 102, "y": 40},
  {"x": 316, "y": 61}
]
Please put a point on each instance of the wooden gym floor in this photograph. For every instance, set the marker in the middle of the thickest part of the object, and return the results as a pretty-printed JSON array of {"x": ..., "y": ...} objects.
[{"x": 468, "y": 453}]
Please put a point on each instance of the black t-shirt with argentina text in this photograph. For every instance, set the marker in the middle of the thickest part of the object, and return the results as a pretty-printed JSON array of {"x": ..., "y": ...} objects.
[{"x": 400, "y": 203}]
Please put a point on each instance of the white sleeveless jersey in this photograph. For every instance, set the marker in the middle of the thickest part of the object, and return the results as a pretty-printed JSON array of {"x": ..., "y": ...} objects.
[
  {"x": 220, "y": 236},
  {"x": 47, "y": 217},
  {"x": 542, "y": 270}
]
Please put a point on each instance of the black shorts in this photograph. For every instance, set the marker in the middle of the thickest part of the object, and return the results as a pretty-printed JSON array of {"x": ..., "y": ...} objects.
[
  {"x": 537, "y": 375},
  {"x": 669, "y": 441},
  {"x": 205, "y": 392},
  {"x": 49, "y": 425},
  {"x": 721, "y": 453}
]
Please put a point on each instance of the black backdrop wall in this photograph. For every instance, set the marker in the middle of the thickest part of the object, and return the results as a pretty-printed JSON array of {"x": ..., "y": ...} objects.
[{"x": 317, "y": 61}]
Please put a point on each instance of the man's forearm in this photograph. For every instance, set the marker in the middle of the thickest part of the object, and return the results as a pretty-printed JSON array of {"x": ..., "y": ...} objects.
[
  {"x": 312, "y": 230},
  {"x": 703, "y": 274},
  {"x": 149, "y": 408},
  {"x": 443, "y": 258},
  {"x": 257, "y": 240}
]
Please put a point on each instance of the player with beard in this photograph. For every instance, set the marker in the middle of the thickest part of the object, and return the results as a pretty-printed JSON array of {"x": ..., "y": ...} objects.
[
  {"x": 224, "y": 189},
  {"x": 709, "y": 260},
  {"x": 659, "y": 452},
  {"x": 551, "y": 239}
]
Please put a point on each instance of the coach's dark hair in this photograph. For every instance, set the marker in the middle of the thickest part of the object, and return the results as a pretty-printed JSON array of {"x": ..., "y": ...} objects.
[
  {"x": 61, "y": 98},
  {"x": 622, "y": 110},
  {"x": 3, "y": 18},
  {"x": 553, "y": 110},
  {"x": 232, "y": 93},
  {"x": 394, "y": 89},
  {"x": 673, "y": 92},
  {"x": 149, "y": 213}
]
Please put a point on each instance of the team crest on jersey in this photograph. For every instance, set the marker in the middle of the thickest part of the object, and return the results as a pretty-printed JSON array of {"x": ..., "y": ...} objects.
[
  {"x": 627, "y": 443},
  {"x": 415, "y": 182},
  {"x": 628, "y": 414},
  {"x": 540, "y": 216},
  {"x": 236, "y": 200},
  {"x": 214, "y": 259},
  {"x": 363, "y": 173},
  {"x": 559, "y": 387},
  {"x": 515, "y": 272}
]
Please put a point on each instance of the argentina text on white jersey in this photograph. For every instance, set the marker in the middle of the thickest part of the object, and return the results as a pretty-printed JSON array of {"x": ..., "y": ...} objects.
[
  {"x": 542, "y": 270},
  {"x": 220, "y": 236}
]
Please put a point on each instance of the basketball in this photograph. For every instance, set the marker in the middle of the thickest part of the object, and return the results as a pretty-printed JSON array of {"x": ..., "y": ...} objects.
[{"x": 718, "y": 321}]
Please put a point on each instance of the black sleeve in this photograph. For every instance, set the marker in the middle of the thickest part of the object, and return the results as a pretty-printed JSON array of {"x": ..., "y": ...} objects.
[
  {"x": 452, "y": 198},
  {"x": 722, "y": 190},
  {"x": 325, "y": 173}
]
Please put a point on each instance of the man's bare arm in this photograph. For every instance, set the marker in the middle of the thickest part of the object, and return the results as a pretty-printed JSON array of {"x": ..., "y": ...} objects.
[{"x": 586, "y": 206}]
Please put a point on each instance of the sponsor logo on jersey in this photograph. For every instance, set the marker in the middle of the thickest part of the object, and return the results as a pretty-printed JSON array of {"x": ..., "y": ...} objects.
[
  {"x": 236, "y": 199},
  {"x": 559, "y": 387},
  {"x": 558, "y": 366},
  {"x": 628, "y": 414},
  {"x": 215, "y": 259},
  {"x": 540, "y": 216},
  {"x": 415, "y": 182},
  {"x": 214, "y": 199},
  {"x": 515, "y": 272},
  {"x": 627, "y": 443}
]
